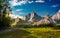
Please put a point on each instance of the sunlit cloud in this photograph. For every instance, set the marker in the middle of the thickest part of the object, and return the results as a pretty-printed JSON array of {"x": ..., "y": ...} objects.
[
  {"x": 41, "y": 1},
  {"x": 30, "y": 1},
  {"x": 15, "y": 2},
  {"x": 15, "y": 16},
  {"x": 18, "y": 10}
]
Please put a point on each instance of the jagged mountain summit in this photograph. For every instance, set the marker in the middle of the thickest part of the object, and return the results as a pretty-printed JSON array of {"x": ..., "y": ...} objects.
[
  {"x": 27, "y": 17},
  {"x": 46, "y": 20},
  {"x": 56, "y": 17},
  {"x": 34, "y": 17}
]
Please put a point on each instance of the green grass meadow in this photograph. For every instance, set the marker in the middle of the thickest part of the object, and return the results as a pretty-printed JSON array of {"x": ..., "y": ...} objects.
[{"x": 32, "y": 33}]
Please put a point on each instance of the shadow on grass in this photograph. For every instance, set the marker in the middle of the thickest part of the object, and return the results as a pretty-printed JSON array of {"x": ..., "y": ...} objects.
[{"x": 19, "y": 33}]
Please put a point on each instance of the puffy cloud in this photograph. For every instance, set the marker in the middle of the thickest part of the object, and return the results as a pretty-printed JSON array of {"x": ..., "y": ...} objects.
[
  {"x": 41, "y": 1},
  {"x": 55, "y": 5},
  {"x": 15, "y": 16},
  {"x": 18, "y": 10},
  {"x": 15, "y": 2}
]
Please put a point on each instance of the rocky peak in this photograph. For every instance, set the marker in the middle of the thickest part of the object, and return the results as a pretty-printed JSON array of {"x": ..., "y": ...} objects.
[
  {"x": 47, "y": 16},
  {"x": 27, "y": 16},
  {"x": 46, "y": 20},
  {"x": 56, "y": 16},
  {"x": 34, "y": 17},
  {"x": 33, "y": 13},
  {"x": 59, "y": 11}
]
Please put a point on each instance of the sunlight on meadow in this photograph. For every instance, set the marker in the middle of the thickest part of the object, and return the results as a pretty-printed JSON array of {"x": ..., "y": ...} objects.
[{"x": 32, "y": 33}]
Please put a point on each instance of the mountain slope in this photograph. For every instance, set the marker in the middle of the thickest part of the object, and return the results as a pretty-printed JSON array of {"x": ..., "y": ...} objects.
[
  {"x": 46, "y": 20},
  {"x": 56, "y": 17},
  {"x": 27, "y": 16},
  {"x": 34, "y": 17}
]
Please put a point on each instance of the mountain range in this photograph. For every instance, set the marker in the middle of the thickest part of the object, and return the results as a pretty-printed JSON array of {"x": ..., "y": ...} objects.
[
  {"x": 46, "y": 20},
  {"x": 33, "y": 18}
]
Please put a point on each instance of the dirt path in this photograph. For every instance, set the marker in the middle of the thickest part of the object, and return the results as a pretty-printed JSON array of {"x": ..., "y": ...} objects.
[{"x": 8, "y": 30}]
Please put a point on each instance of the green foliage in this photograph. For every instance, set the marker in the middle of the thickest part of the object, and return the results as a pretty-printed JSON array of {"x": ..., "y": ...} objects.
[
  {"x": 46, "y": 25},
  {"x": 56, "y": 26},
  {"x": 4, "y": 21},
  {"x": 24, "y": 26}
]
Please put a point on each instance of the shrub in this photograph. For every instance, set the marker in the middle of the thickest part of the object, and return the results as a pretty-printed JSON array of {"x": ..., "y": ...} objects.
[{"x": 46, "y": 25}]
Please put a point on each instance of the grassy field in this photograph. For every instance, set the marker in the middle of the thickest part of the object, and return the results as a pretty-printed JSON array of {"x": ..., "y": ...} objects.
[{"x": 32, "y": 33}]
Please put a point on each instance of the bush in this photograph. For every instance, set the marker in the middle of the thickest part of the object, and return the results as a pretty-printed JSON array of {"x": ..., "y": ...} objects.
[
  {"x": 56, "y": 26},
  {"x": 5, "y": 23},
  {"x": 24, "y": 26},
  {"x": 46, "y": 25},
  {"x": 38, "y": 26}
]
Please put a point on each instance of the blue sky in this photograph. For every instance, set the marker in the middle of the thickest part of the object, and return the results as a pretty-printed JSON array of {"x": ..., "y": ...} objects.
[{"x": 41, "y": 7}]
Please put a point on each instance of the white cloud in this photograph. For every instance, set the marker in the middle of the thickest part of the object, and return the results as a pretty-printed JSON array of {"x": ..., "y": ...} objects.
[
  {"x": 15, "y": 2},
  {"x": 41, "y": 1},
  {"x": 15, "y": 16},
  {"x": 30, "y": 1},
  {"x": 19, "y": 10},
  {"x": 55, "y": 5}
]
